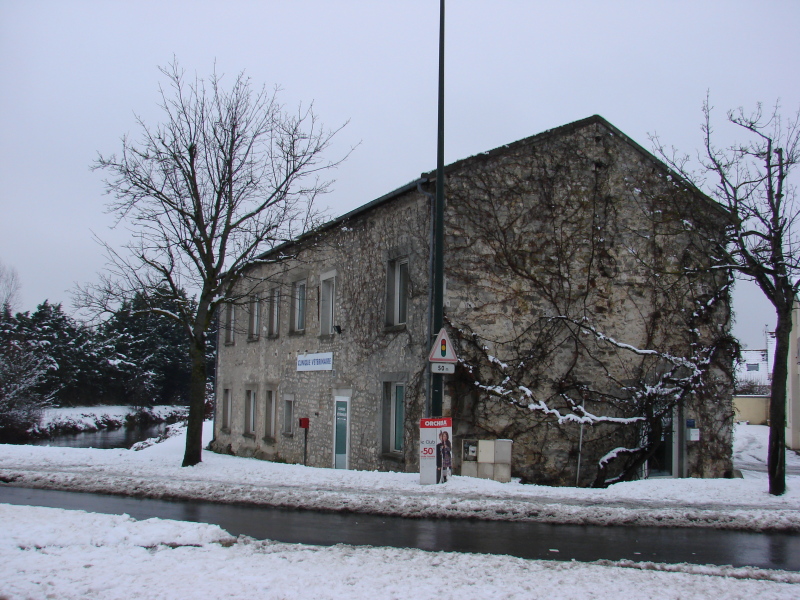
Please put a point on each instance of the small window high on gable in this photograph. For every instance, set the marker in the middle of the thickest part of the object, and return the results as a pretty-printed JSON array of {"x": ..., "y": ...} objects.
[{"x": 397, "y": 292}]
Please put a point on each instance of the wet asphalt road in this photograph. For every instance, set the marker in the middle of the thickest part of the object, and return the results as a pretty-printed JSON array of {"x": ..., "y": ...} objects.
[{"x": 525, "y": 540}]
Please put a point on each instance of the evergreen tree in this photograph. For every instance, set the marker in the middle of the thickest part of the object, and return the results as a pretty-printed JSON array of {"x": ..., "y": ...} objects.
[
  {"x": 151, "y": 350},
  {"x": 76, "y": 363}
]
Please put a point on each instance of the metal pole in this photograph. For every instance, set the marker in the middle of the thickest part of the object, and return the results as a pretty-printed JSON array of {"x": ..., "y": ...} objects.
[
  {"x": 580, "y": 447},
  {"x": 438, "y": 266},
  {"x": 305, "y": 446}
]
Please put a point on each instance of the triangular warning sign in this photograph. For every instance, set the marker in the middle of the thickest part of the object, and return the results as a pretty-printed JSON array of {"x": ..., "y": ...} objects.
[{"x": 443, "y": 350}]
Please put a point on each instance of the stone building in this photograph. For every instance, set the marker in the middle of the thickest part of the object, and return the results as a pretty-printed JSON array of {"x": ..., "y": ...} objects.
[{"x": 590, "y": 324}]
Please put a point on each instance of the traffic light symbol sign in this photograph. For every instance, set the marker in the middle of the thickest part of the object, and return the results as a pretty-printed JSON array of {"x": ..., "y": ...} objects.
[{"x": 443, "y": 350}]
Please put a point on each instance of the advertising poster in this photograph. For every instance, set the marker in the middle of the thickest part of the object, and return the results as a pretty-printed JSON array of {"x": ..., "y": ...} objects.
[{"x": 435, "y": 450}]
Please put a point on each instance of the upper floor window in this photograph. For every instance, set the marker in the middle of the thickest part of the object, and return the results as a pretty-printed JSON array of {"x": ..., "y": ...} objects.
[
  {"x": 274, "y": 311},
  {"x": 397, "y": 292},
  {"x": 327, "y": 304},
  {"x": 230, "y": 321},
  {"x": 299, "y": 305},
  {"x": 254, "y": 317}
]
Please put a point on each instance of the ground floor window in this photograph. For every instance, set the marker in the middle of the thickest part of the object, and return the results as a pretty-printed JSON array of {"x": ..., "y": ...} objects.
[
  {"x": 226, "y": 409},
  {"x": 288, "y": 414},
  {"x": 269, "y": 416},
  {"x": 249, "y": 412}
]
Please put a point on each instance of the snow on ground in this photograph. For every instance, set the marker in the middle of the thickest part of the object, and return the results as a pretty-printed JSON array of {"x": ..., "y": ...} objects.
[
  {"x": 155, "y": 472},
  {"x": 750, "y": 450},
  {"x": 55, "y": 553}
]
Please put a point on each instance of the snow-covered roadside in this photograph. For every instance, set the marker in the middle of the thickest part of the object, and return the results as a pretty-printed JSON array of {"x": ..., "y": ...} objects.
[
  {"x": 750, "y": 451},
  {"x": 155, "y": 472},
  {"x": 57, "y": 421},
  {"x": 54, "y": 553}
]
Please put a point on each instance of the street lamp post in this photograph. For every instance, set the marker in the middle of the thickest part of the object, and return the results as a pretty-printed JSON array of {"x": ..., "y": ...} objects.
[{"x": 437, "y": 390}]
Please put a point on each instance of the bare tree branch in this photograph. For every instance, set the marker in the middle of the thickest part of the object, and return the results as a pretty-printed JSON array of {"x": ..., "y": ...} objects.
[
  {"x": 751, "y": 180},
  {"x": 226, "y": 176},
  {"x": 9, "y": 288}
]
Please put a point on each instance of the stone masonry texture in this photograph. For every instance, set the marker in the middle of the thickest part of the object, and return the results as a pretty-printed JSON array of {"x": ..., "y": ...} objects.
[{"x": 581, "y": 292}]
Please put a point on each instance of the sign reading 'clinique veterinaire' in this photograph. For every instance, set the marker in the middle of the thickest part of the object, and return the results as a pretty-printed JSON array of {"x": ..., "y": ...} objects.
[{"x": 315, "y": 362}]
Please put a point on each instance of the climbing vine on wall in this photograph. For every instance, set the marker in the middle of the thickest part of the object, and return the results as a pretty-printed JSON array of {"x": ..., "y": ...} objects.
[{"x": 590, "y": 311}]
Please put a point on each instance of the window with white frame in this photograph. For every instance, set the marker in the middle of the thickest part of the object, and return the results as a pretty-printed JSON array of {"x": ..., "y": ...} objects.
[
  {"x": 327, "y": 303},
  {"x": 254, "y": 317},
  {"x": 226, "y": 409},
  {"x": 397, "y": 292},
  {"x": 299, "y": 305},
  {"x": 274, "y": 311},
  {"x": 249, "y": 412},
  {"x": 394, "y": 402},
  {"x": 230, "y": 321},
  {"x": 288, "y": 414},
  {"x": 269, "y": 415}
]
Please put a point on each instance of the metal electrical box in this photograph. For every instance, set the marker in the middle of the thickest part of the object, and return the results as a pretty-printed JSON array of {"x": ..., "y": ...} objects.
[
  {"x": 469, "y": 458},
  {"x": 486, "y": 459},
  {"x": 485, "y": 451},
  {"x": 469, "y": 450},
  {"x": 502, "y": 452}
]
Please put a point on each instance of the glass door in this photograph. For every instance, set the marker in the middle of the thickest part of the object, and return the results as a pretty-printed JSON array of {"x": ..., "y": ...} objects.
[{"x": 341, "y": 429}]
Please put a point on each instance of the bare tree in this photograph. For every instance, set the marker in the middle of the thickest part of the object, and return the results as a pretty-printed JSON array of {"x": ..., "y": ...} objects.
[
  {"x": 751, "y": 180},
  {"x": 9, "y": 288},
  {"x": 227, "y": 175}
]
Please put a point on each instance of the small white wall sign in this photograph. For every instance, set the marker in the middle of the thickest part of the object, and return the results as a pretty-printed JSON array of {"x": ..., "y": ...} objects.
[{"x": 322, "y": 361}]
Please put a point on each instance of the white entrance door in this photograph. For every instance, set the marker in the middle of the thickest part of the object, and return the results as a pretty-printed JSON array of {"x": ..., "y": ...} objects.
[{"x": 341, "y": 431}]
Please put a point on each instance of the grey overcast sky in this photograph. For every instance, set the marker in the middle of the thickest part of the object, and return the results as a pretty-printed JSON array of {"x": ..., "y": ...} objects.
[{"x": 73, "y": 72}]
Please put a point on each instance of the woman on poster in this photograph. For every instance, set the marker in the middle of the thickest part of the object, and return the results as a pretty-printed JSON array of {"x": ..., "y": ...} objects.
[{"x": 444, "y": 457}]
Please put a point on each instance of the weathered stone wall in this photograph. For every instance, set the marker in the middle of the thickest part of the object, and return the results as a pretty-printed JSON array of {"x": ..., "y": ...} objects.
[
  {"x": 556, "y": 248},
  {"x": 564, "y": 253},
  {"x": 366, "y": 354}
]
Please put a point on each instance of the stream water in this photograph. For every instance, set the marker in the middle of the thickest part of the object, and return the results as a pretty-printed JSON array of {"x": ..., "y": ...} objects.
[{"x": 105, "y": 439}]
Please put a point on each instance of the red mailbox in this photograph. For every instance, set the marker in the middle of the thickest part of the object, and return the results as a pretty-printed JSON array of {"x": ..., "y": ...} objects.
[{"x": 304, "y": 427}]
